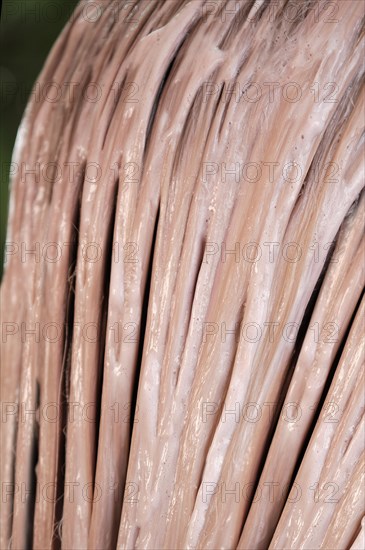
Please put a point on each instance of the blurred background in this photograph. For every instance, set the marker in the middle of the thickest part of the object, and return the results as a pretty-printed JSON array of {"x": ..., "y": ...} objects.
[{"x": 28, "y": 30}]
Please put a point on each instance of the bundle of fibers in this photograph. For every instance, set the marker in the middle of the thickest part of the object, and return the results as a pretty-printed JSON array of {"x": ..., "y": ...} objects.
[{"x": 182, "y": 305}]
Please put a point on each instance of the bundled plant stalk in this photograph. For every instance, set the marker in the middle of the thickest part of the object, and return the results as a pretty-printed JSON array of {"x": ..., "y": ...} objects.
[{"x": 188, "y": 370}]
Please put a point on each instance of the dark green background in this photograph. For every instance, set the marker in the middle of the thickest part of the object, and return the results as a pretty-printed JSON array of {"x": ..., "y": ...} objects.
[{"x": 28, "y": 30}]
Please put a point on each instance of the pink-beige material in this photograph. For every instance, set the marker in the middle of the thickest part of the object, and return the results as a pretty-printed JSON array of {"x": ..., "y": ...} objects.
[{"x": 206, "y": 389}]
